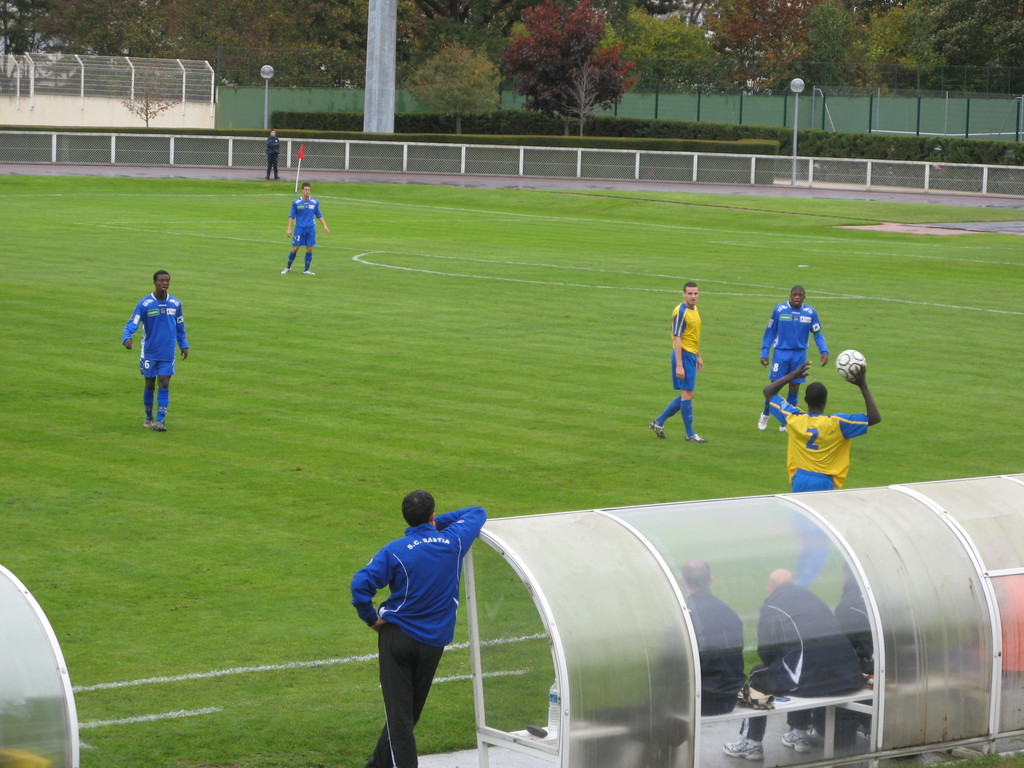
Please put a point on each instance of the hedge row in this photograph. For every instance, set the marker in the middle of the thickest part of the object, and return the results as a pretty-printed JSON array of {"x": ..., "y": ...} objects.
[
  {"x": 515, "y": 124},
  {"x": 743, "y": 147}
]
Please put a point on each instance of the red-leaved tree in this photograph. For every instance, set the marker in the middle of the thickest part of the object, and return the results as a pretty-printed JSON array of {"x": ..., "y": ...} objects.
[
  {"x": 560, "y": 50},
  {"x": 762, "y": 38}
]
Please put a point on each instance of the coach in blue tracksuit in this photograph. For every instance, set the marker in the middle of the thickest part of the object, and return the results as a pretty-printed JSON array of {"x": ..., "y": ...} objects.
[{"x": 417, "y": 620}]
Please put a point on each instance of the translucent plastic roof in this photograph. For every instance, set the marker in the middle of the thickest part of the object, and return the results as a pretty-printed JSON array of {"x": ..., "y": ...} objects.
[
  {"x": 38, "y": 723},
  {"x": 592, "y": 600}
]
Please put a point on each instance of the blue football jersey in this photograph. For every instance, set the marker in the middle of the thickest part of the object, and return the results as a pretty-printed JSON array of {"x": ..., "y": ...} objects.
[
  {"x": 163, "y": 325},
  {"x": 305, "y": 212},
  {"x": 789, "y": 329}
]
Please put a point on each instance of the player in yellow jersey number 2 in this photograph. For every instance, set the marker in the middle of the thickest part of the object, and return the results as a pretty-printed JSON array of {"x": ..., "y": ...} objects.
[{"x": 819, "y": 445}]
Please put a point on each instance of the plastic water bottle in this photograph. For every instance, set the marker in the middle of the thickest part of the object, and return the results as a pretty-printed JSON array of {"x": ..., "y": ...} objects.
[{"x": 554, "y": 701}]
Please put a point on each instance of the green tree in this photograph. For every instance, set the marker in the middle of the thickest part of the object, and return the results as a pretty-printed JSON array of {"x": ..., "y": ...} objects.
[
  {"x": 668, "y": 51},
  {"x": 107, "y": 27},
  {"x": 903, "y": 36},
  {"x": 832, "y": 42},
  {"x": 457, "y": 81},
  {"x": 19, "y": 25},
  {"x": 979, "y": 32},
  {"x": 557, "y": 43}
]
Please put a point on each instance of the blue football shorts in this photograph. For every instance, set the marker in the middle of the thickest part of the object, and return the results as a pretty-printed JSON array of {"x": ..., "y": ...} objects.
[
  {"x": 304, "y": 236},
  {"x": 786, "y": 360},
  {"x": 804, "y": 480},
  {"x": 689, "y": 381},
  {"x": 153, "y": 368}
]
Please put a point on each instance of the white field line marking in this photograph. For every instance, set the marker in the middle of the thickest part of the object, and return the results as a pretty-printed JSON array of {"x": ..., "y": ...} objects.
[
  {"x": 213, "y": 710},
  {"x": 825, "y": 295},
  {"x": 828, "y": 244},
  {"x": 273, "y": 667},
  {"x": 462, "y": 678},
  {"x": 590, "y": 222},
  {"x": 151, "y": 718},
  {"x": 358, "y": 258},
  {"x": 223, "y": 673}
]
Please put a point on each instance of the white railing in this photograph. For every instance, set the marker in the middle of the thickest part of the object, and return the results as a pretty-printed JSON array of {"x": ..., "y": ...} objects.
[
  {"x": 526, "y": 161},
  {"x": 111, "y": 77}
]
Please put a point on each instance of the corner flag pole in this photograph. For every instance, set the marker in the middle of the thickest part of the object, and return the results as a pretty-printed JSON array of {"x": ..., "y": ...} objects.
[{"x": 298, "y": 170}]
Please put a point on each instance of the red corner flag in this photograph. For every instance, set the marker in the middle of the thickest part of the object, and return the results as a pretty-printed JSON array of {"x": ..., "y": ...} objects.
[{"x": 298, "y": 170}]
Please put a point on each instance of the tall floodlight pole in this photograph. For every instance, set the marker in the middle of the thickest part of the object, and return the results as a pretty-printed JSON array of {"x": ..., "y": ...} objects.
[
  {"x": 379, "y": 99},
  {"x": 266, "y": 72},
  {"x": 796, "y": 85}
]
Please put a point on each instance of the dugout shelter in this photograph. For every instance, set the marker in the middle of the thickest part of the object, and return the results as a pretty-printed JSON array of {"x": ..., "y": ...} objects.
[
  {"x": 590, "y": 602},
  {"x": 38, "y": 719}
]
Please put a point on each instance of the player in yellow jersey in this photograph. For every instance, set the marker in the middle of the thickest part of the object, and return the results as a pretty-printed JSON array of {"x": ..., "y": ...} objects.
[
  {"x": 818, "y": 455},
  {"x": 685, "y": 362},
  {"x": 819, "y": 445}
]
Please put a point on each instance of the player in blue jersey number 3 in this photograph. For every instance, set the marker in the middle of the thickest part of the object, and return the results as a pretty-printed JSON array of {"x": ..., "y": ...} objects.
[
  {"x": 305, "y": 212},
  {"x": 163, "y": 327}
]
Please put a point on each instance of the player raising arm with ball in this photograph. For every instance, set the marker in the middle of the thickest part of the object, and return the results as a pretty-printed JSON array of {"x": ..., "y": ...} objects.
[{"x": 819, "y": 445}]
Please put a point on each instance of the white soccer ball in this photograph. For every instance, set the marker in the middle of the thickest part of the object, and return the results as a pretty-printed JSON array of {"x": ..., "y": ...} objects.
[{"x": 849, "y": 363}]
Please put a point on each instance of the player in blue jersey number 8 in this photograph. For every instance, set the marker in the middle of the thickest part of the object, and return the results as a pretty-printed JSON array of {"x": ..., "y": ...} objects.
[{"x": 789, "y": 327}]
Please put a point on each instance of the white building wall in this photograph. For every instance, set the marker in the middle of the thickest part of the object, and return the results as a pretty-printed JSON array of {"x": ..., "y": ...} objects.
[{"x": 94, "y": 112}]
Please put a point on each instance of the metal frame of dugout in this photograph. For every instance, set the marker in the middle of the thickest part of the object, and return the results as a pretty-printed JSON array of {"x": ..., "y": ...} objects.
[
  {"x": 590, "y": 600},
  {"x": 38, "y": 718}
]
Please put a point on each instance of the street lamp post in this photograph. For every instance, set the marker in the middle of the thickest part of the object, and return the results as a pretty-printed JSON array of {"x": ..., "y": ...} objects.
[
  {"x": 266, "y": 72},
  {"x": 796, "y": 85}
]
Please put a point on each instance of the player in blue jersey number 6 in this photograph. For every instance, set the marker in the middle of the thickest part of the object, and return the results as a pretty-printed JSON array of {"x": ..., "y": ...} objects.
[
  {"x": 305, "y": 212},
  {"x": 163, "y": 327},
  {"x": 789, "y": 327}
]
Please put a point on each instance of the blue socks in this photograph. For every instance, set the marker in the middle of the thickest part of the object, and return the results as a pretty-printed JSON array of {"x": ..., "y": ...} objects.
[
  {"x": 147, "y": 401},
  {"x": 793, "y": 398},
  {"x": 291, "y": 258},
  {"x": 686, "y": 409},
  {"x": 309, "y": 260},
  {"x": 683, "y": 407},
  {"x": 670, "y": 410},
  {"x": 163, "y": 397}
]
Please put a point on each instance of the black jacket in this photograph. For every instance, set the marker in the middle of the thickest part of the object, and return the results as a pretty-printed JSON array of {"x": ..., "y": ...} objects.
[
  {"x": 273, "y": 145},
  {"x": 806, "y": 651},
  {"x": 853, "y": 619},
  {"x": 719, "y": 642}
]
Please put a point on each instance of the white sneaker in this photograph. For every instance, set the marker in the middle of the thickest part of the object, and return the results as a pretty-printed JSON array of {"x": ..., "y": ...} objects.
[
  {"x": 286, "y": 270},
  {"x": 783, "y": 428},
  {"x": 746, "y": 749},
  {"x": 798, "y": 740},
  {"x": 311, "y": 274},
  {"x": 762, "y": 422}
]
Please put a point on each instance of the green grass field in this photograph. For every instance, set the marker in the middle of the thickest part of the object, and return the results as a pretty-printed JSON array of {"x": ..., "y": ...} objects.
[{"x": 497, "y": 347}]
